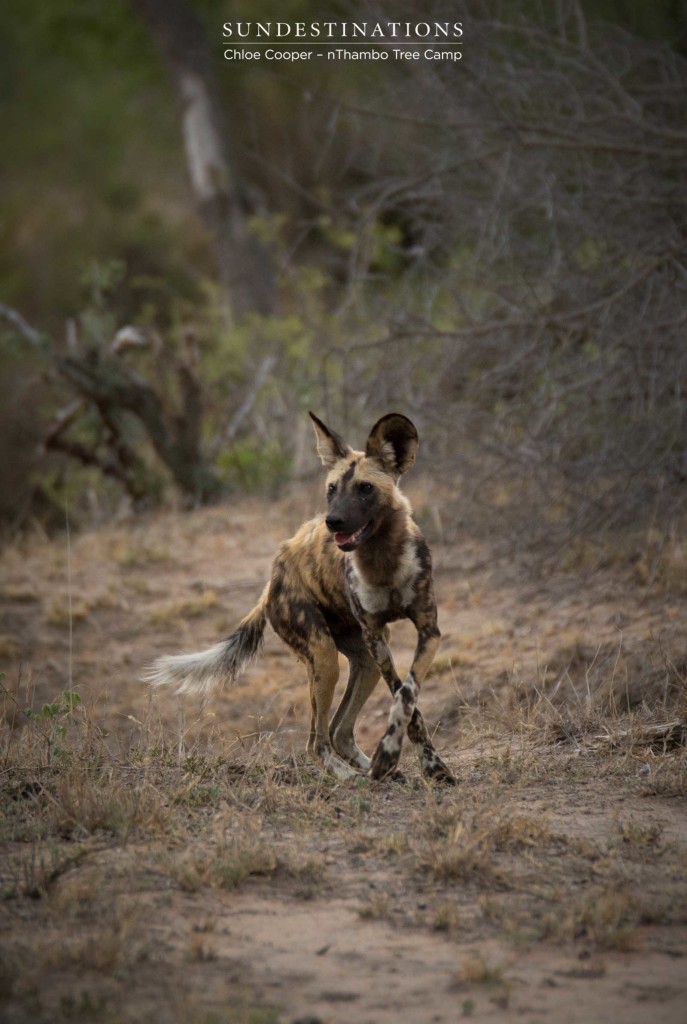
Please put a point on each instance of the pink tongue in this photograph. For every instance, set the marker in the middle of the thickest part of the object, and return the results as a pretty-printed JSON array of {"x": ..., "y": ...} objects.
[{"x": 343, "y": 538}]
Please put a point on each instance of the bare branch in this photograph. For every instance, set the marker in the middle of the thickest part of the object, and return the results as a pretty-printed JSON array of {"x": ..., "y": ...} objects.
[
  {"x": 34, "y": 337},
  {"x": 265, "y": 368}
]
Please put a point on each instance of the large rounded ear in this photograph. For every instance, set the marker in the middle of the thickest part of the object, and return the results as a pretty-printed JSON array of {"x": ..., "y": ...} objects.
[
  {"x": 330, "y": 447},
  {"x": 393, "y": 441}
]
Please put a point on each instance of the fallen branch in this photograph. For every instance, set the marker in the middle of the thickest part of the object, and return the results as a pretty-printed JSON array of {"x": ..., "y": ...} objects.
[{"x": 102, "y": 380}]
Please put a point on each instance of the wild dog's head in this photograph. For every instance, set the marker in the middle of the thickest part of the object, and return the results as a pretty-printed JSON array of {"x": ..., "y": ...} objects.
[{"x": 362, "y": 491}]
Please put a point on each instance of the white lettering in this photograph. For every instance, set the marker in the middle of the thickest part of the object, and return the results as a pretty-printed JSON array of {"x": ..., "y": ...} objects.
[
  {"x": 453, "y": 55},
  {"x": 288, "y": 54},
  {"x": 242, "y": 54}
]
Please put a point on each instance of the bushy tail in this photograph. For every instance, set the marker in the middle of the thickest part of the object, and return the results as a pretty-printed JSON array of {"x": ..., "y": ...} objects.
[{"x": 207, "y": 670}]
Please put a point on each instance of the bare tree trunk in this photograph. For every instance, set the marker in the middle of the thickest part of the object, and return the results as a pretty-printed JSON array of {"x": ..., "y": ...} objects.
[{"x": 243, "y": 263}]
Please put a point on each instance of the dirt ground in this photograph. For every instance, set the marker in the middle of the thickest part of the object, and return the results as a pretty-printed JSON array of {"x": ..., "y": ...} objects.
[{"x": 164, "y": 860}]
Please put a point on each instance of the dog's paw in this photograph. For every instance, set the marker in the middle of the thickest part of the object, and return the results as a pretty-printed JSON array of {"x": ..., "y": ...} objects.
[
  {"x": 434, "y": 768},
  {"x": 385, "y": 759}
]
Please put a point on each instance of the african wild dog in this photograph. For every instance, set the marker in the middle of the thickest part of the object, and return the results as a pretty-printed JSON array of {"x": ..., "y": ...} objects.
[{"x": 335, "y": 586}]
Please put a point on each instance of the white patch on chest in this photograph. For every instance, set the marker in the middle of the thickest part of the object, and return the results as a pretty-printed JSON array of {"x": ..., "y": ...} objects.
[
  {"x": 373, "y": 599},
  {"x": 400, "y": 591}
]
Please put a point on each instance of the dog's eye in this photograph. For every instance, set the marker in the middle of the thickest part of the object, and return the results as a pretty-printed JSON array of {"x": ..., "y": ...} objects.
[
  {"x": 365, "y": 488},
  {"x": 330, "y": 490}
]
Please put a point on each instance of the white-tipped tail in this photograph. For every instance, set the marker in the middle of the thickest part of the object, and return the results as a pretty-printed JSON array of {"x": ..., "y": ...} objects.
[
  {"x": 207, "y": 670},
  {"x": 201, "y": 672}
]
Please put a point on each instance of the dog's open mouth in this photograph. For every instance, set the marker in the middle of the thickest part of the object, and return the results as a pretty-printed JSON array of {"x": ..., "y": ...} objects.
[{"x": 350, "y": 541}]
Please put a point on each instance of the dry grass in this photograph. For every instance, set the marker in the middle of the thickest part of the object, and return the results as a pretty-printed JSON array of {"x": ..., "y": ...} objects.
[
  {"x": 596, "y": 715},
  {"x": 267, "y": 821},
  {"x": 375, "y": 908},
  {"x": 59, "y": 613},
  {"x": 240, "y": 853},
  {"x": 138, "y": 552},
  {"x": 446, "y": 918},
  {"x": 125, "y": 821},
  {"x": 185, "y": 608},
  {"x": 459, "y": 843},
  {"x": 10, "y": 648}
]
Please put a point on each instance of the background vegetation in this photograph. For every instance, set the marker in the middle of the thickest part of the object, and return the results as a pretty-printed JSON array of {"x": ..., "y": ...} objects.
[{"x": 497, "y": 248}]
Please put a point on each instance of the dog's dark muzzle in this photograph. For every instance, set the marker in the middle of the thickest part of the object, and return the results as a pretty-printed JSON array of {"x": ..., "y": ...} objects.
[{"x": 347, "y": 535}]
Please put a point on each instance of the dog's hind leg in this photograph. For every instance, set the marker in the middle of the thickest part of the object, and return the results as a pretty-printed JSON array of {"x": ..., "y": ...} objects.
[
  {"x": 363, "y": 676},
  {"x": 322, "y": 662},
  {"x": 301, "y": 625}
]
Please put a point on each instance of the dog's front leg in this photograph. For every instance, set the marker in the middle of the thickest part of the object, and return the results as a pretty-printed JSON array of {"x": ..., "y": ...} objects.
[
  {"x": 424, "y": 618},
  {"x": 404, "y": 712},
  {"x": 389, "y": 748},
  {"x": 431, "y": 765}
]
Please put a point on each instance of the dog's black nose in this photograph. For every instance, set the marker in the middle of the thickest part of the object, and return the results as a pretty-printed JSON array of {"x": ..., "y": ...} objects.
[{"x": 334, "y": 524}]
